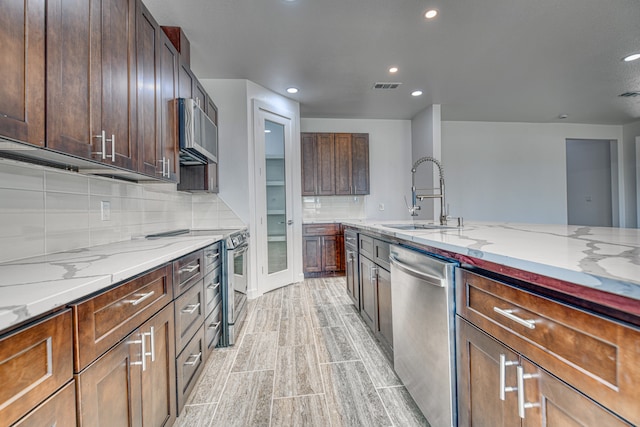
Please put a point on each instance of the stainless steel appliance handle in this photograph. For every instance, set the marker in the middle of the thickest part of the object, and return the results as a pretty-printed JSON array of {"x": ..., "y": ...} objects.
[
  {"x": 523, "y": 405},
  {"x": 531, "y": 324},
  {"x": 503, "y": 367},
  {"x": 237, "y": 251},
  {"x": 425, "y": 277}
]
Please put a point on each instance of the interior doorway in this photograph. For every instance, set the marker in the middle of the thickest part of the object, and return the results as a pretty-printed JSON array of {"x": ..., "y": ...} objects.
[{"x": 590, "y": 182}]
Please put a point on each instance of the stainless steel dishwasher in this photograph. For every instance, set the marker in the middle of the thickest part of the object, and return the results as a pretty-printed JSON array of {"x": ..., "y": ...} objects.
[{"x": 423, "y": 334}]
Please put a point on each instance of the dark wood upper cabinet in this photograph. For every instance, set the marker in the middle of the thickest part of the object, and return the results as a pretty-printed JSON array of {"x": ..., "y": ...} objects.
[
  {"x": 22, "y": 104},
  {"x": 169, "y": 66},
  {"x": 335, "y": 164},
  {"x": 199, "y": 94},
  {"x": 185, "y": 80},
  {"x": 211, "y": 110}
]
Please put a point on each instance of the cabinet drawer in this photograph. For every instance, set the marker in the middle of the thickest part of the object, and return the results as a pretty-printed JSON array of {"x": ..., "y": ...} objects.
[
  {"x": 365, "y": 246},
  {"x": 58, "y": 410},
  {"x": 212, "y": 257},
  {"x": 212, "y": 289},
  {"x": 189, "y": 365},
  {"x": 213, "y": 328},
  {"x": 351, "y": 239},
  {"x": 381, "y": 253},
  {"x": 187, "y": 271},
  {"x": 107, "y": 318},
  {"x": 320, "y": 229},
  {"x": 189, "y": 314},
  {"x": 597, "y": 356},
  {"x": 34, "y": 362}
]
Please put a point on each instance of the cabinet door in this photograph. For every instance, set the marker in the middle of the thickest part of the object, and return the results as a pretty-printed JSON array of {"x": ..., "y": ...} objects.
[
  {"x": 58, "y": 410},
  {"x": 185, "y": 80},
  {"x": 22, "y": 61},
  {"x": 326, "y": 164},
  {"x": 159, "y": 373},
  {"x": 312, "y": 253},
  {"x": 73, "y": 84},
  {"x": 114, "y": 56},
  {"x": 368, "y": 307},
  {"x": 169, "y": 64},
  {"x": 199, "y": 94},
  {"x": 148, "y": 85},
  {"x": 330, "y": 253},
  {"x": 343, "y": 163},
  {"x": 110, "y": 389},
  {"x": 385, "y": 325},
  {"x": 211, "y": 110},
  {"x": 478, "y": 365},
  {"x": 360, "y": 163},
  {"x": 353, "y": 288},
  {"x": 309, "y": 164}
]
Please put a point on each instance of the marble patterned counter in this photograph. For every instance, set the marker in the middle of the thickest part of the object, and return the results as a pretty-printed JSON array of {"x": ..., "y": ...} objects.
[
  {"x": 606, "y": 259},
  {"x": 33, "y": 286}
]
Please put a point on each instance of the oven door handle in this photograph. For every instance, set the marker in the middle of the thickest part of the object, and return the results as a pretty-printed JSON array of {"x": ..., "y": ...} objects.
[{"x": 240, "y": 250}]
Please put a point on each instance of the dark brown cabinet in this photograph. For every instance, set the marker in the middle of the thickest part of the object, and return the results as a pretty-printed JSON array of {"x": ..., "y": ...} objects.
[
  {"x": 133, "y": 384},
  {"x": 322, "y": 249},
  {"x": 351, "y": 266},
  {"x": 335, "y": 164},
  {"x": 368, "y": 291},
  {"x": 22, "y": 61},
  {"x": 58, "y": 410}
]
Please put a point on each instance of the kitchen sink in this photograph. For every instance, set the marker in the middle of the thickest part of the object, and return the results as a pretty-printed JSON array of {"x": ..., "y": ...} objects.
[{"x": 420, "y": 226}]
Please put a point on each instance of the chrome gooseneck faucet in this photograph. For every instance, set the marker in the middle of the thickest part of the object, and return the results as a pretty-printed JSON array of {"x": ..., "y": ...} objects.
[{"x": 415, "y": 197}]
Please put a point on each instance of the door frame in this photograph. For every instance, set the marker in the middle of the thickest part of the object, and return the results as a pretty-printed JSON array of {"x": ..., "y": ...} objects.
[{"x": 294, "y": 209}]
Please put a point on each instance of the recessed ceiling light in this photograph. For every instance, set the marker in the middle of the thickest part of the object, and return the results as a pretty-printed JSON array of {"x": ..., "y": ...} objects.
[
  {"x": 292, "y": 90},
  {"x": 431, "y": 13},
  {"x": 631, "y": 57},
  {"x": 393, "y": 70},
  {"x": 416, "y": 93}
]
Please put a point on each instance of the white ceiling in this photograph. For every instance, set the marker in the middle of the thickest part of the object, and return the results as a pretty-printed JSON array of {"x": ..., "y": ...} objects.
[{"x": 488, "y": 60}]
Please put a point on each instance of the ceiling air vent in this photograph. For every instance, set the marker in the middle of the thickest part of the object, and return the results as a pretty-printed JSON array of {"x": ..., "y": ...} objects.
[
  {"x": 386, "y": 85},
  {"x": 629, "y": 94}
]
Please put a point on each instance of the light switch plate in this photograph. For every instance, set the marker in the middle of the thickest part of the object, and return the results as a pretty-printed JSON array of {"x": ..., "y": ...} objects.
[{"x": 105, "y": 210}]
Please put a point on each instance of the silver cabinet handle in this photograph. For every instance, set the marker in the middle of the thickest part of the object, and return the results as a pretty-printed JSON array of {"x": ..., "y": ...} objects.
[
  {"x": 195, "y": 357},
  {"x": 142, "y": 298},
  {"x": 189, "y": 269},
  {"x": 531, "y": 324},
  {"x": 522, "y": 404},
  {"x": 143, "y": 351},
  {"x": 503, "y": 367},
  {"x": 290, "y": 222},
  {"x": 102, "y": 137},
  {"x": 168, "y": 168},
  {"x": 113, "y": 148},
  {"x": 348, "y": 239},
  {"x": 163, "y": 167},
  {"x": 191, "y": 308},
  {"x": 212, "y": 255},
  {"x": 214, "y": 325},
  {"x": 214, "y": 286},
  {"x": 152, "y": 344}
]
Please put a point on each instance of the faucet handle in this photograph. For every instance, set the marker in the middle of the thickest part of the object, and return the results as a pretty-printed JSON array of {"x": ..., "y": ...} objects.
[{"x": 412, "y": 209}]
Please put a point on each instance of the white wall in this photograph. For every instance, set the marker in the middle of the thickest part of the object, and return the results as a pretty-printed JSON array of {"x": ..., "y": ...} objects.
[
  {"x": 426, "y": 140},
  {"x": 389, "y": 161},
  {"x": 632, "y": 173},
  {"x": 512, "y": 172}
]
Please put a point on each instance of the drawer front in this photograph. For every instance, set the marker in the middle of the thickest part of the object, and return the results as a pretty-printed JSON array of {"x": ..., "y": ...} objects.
[
  {"x": 187, "y": 271},
  {"x": 213, "y": 289},
  {"x": 213, "y": 328},
  {"x": 365, "y": 246},
  {"x": 189, "y": 314},
  {"x": 351, "y": 240},
  {"x": 381, "y": 253},
  {"x": 107, "y": 318},
  {"x": 212, "y": 257},
  {"x": 58, "y": 410},
  {"x": 189, "y": 365},
  {"x": 597, "y": 356},
  {"x": 320, "y": 229},
  {"x": 34, "y": 362}
]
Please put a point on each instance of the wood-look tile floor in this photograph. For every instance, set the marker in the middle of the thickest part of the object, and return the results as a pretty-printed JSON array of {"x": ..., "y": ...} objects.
[{"x": 304, "y": 358}]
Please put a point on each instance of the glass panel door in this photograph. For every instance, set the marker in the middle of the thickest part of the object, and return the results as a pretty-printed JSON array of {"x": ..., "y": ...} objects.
[{"x": 276, "y": 191}]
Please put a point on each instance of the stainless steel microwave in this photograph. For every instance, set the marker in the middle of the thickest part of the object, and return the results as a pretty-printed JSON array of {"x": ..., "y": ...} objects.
[{"x": 197, "y": 133}]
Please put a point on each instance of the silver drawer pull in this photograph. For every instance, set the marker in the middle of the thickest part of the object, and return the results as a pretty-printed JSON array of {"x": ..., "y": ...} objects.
[
  {"x": 531, "y": 324},
  {"x": 503, "y": 368},
  {"x": 522, "y": 404},
  {"x": 142, "y": 298},
  {"x": 214, "y": 325},
  {"x": 212, "y": 255},
  {"x": 189, "y": 269},
  {"x": 214, "y": 286},
  {"x": 191, "y": 308},
  {"x": 195, "y": 357}
]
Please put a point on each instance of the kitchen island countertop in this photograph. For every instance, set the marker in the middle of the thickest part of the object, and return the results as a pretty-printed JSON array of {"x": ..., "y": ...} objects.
[
  {"x": 33, "y": 286},
  {"x": 602, "y": 258}
]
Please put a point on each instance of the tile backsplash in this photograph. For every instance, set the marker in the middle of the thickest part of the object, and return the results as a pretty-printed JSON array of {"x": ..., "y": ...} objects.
[
  {"x": 45, "y": 210},
  {"x": 331, "y": 208}
]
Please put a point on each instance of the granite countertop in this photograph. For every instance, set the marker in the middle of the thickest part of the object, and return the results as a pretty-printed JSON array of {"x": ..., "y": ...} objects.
[
  {"x": 33, "y": 286},
  {"x": 603, "y": 258}
]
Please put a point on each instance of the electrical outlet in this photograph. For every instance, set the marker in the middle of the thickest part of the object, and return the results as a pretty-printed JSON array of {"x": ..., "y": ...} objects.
[
  {"x": 105, "y": 210},
  {"x": 381, "y": 206}
]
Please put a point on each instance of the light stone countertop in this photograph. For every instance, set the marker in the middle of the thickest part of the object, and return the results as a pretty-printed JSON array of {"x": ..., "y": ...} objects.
[
  {"x": 603, "y": 258},
  {"x": 33, "y": 286}
]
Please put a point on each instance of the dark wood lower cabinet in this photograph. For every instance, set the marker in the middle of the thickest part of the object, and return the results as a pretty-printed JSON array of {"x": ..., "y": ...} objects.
[
  {"x": 58, "y": 410},
  {"x": 120, "y": 389},
  {"x": 368, "y": 302},
  {"x": 544, "y": 399},
  {"x": 385, "y": 324},
  {"x": 351, "y": 268},
  {"x": 322, "y": 250}
]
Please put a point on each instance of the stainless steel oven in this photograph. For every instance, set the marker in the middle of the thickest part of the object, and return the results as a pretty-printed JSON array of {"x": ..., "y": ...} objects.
[{"x": 235, "y": 289}]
